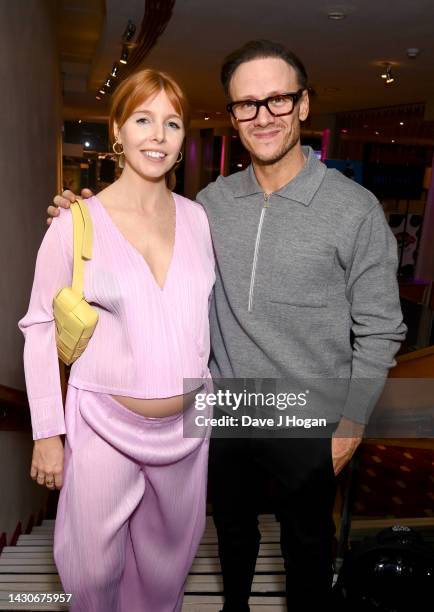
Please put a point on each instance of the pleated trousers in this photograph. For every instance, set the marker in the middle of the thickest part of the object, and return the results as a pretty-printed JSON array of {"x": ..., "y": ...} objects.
[{"x": 131, "y": 511}]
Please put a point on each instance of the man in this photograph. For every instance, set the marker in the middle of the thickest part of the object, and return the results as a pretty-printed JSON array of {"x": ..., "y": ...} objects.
[{"x": 306, "y": 287}]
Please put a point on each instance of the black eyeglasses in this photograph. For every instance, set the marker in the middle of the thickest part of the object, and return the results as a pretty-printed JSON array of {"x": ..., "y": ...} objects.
[{"x": 278, "y": 106}]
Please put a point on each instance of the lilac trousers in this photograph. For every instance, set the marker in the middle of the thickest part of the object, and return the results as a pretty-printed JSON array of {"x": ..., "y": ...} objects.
[{"x": 131, "y": 511}]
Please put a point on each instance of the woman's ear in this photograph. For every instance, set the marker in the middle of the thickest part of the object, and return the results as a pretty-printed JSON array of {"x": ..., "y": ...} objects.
[{"x": 116, "y": 133}]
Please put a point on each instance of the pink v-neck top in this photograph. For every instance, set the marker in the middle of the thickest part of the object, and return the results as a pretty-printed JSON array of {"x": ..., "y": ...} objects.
[{"x": 147, "y": 340}]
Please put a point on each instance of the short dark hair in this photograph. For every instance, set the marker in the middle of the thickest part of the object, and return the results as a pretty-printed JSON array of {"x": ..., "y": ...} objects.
[{"x": 260, "y": 49}]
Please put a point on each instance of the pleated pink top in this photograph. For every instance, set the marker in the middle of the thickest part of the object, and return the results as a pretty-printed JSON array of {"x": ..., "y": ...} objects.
[{"x": 147, "y": 340}]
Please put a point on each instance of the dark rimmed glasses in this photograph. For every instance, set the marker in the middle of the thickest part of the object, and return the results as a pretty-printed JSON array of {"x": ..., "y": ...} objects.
[{"x": 277, "y": 105}]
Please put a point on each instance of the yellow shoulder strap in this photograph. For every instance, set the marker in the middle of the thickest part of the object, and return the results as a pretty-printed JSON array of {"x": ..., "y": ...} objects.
[{"x": 82, "y": 222}]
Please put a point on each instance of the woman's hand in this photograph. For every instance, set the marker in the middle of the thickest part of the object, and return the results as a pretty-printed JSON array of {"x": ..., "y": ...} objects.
[
  {"x": 64, "y": 201},
  {"x": 47, "y": 462}
]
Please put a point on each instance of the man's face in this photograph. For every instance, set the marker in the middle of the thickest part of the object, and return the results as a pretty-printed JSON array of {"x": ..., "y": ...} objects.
[{"x": 267, "y": 138}]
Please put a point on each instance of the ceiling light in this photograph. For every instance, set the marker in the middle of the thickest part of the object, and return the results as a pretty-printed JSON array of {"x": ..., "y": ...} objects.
[
  {"x": 393, "y": 140},
  {"x": 102, "y": 91},
  {"x": 115, "y": 70},
  {"x": 124, "y": 56},
  {"x": 108, "y": 83},
  {"x": 387, "y": 74},
  {"x": 79, "y": 121},
  {"x": 401, "y": 123},
  {"x": 336, "y": 15},
  {"x": 206, "y": 117},
  {"x": 87, "y": 144},
  {"x": 386, "y": 71},
  {"x": 98, "y": 97},
  {"x": 377, "y": 133},
  {"x": 130, "y": 30}
]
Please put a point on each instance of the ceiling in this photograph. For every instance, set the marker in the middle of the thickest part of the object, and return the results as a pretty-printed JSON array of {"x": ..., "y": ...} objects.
[{"x": 343, "y": 58}]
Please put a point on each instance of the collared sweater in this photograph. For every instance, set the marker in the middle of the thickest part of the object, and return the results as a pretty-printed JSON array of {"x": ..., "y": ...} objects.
[{"x": 306, "y": 283}]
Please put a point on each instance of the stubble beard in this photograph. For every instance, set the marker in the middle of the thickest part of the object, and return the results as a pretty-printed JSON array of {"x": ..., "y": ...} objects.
[{"x": 289, "y": 143}]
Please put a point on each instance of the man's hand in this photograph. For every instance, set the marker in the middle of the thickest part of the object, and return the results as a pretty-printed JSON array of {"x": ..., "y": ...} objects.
[
  {"x": 47, "y": 462},
  {"x": 64, "y": 201},
  {"x": 345, "y": 440}
]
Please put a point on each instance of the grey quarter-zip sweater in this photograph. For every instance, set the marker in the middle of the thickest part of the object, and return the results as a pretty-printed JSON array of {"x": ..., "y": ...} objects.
[{"x": 306, "y": 281}]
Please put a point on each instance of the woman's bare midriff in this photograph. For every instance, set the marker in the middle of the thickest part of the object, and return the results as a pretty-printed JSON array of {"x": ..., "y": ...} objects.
[{"x": 157, "y": 408}]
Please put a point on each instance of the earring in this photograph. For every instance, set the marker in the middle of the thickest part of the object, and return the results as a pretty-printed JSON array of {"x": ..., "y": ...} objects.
[
  {"x": 120, "y": 154},
  {"x": 114, "y": 147},
  {"x": 179, "y": 160}
]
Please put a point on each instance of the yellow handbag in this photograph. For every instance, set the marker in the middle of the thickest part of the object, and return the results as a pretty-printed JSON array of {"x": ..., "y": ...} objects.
[{"x": 75, "y": 318}]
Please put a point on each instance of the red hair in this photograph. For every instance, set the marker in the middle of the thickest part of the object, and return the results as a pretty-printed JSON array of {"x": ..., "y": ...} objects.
[{"x": 139, "y": 87}]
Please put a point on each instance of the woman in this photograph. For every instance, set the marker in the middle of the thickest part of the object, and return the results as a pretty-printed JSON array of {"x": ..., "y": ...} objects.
[{"x": 132, "y": 504}]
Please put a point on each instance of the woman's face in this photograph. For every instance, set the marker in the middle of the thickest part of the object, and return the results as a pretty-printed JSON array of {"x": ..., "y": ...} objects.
[{"x": 152, "y": 137}]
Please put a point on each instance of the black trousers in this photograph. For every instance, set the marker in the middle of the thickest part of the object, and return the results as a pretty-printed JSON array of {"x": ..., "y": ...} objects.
[{"x": 305, "y": 490}]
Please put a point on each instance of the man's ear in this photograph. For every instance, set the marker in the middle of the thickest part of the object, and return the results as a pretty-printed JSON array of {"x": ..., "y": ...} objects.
[
  {"x": 303, "y": 110},
  {"x": 234, "y": 123}
]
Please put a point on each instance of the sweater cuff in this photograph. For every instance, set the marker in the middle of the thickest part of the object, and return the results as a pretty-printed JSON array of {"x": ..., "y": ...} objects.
[
  {"x": 47, "y": 416},
  {"x": 39, "y": 435},
  {"x": 363, "y": 395}
]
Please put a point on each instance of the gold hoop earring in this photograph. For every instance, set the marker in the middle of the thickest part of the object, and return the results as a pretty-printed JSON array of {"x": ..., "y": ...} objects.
[
  {"x": 114, "y": 147},
  {"x": 179, "y": 160}
]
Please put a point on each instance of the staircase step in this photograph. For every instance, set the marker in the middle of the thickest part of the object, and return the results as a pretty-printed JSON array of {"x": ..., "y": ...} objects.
[{"x": 29, "y": 567}]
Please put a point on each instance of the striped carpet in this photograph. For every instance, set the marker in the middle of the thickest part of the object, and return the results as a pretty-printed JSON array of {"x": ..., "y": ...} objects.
[{"x": 29, "y": 567}]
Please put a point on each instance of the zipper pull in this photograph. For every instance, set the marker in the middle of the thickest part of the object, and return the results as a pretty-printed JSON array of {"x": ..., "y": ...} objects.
[{"x": 266, "y": 198}]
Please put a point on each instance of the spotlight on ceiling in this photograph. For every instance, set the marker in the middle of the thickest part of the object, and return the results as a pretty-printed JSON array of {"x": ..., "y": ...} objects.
[
  {"x": 124, "y": 56},
  {"x": 130, "y": 30},
  {"x": 115, "y": 70},
  {"x": 387, "y": 74}
]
